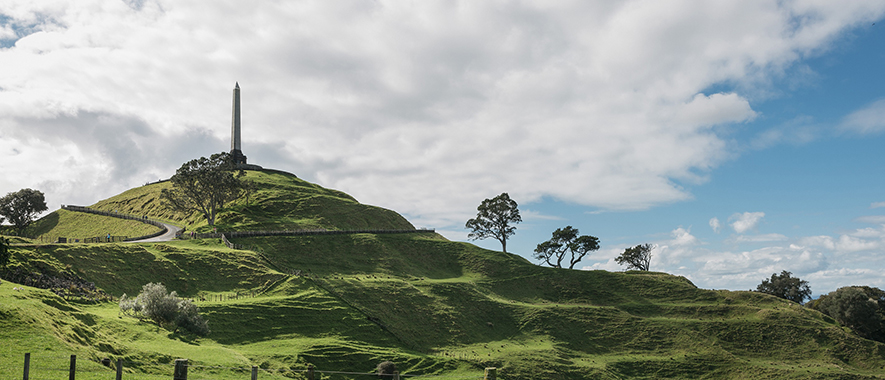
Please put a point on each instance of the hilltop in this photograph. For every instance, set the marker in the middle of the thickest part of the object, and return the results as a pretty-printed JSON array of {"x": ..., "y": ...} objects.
[{"x": 435, "y": 307}]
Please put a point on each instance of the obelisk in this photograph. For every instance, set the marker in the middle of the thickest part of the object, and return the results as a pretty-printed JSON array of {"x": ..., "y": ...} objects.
[{"x": 235, "y": 147}]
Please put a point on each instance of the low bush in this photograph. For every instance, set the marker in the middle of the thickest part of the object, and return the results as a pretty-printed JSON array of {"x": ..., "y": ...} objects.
[{"x": 165, "y": 309}]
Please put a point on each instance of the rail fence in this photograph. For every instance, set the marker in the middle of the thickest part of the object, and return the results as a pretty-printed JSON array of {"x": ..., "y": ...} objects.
[
  {"x": 48, "y": 367},
  {"x": 239, "y": 234}
]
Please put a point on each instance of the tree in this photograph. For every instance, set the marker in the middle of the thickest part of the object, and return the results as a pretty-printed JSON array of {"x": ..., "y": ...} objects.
[
  {"x": 205, "y": 185},
  {"x": 566, "y": 240},
  {"x": 785, "y": 286},
  {"x": 638, "y": 257},
  {"x": 860, "y": 308},
  {"x": 4, "y": 252},
  {"x": 494, "y": 218},
  {"x": 21, "y": 207}
]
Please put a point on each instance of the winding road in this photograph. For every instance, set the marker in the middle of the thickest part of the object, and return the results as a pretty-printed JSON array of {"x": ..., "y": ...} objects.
[{"x": 169, "y": 235}]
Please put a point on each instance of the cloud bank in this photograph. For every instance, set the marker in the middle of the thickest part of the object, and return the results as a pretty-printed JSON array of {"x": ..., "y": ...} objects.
[{"x": 424, "y": 107}]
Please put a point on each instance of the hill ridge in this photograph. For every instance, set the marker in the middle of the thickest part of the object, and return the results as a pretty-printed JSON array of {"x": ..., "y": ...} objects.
[{"x": 435, "y": 307}]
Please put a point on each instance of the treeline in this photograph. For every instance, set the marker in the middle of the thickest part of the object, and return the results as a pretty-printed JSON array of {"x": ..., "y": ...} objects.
[{"x": 860, "y": 308}]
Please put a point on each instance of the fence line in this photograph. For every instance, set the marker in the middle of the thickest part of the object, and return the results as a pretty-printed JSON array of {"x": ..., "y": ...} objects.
[
  {"x": 240, "y": 234},
  {"x": 229, "y": 234},
  {"x": 181, "y": 367}
]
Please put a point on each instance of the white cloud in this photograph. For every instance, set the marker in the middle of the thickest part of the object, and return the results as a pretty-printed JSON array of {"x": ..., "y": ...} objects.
[
  {"x": 715, "y": 225},
  {"x": 877, "y": 204},
  {"x": 874, "y": 219},
  {"x": 848, "y": 244},
  {"x": 421, "y": 107},
  {"x": 819, "y": 241},
  {"x": 683, "y": 237},
  {"x": 759, "y": 238},
  {"x": 530, "y": 215},
  {"x": 743, "y": 222},
  {"x": 867, "y": 120}
]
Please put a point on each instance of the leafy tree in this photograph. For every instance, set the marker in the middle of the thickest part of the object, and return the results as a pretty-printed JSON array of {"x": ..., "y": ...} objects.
[
  {"x": 4, "y": 252},
  {"x": 638, "y": 257},
  {"x": 860, "y": 308},
  {"x": 785, "y": 286},
  {"x": 165, "y": 309},
  {"x": 205, "y": 185},
  {"x": 495, "y": 218},
  {"x": 566, "y": 241},
  {"x": 21, "y": 207}
]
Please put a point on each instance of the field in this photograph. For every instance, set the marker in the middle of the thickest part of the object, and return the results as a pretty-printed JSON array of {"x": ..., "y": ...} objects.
[{"x": 344, "y": 303}]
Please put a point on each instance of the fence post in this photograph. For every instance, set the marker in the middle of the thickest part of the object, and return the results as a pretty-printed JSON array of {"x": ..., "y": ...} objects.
[
  {"x": 254, "y": 373},
  {"x": 119, "y": 369},
  {"x": 490, "y": 373},
  {"x": 180, "y": 370},
  {"x": 395, "y": 375},
  {"x": 310, "y": 372},
  {"x": 72, "y": 373},
  {"x": 27, "y": 366}
]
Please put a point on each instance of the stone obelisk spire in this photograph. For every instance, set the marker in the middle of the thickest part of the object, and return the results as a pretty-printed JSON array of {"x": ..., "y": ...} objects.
[{"x": 235, "y": 147}]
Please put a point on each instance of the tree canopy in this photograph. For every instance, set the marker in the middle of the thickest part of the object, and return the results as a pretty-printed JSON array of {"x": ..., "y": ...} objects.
[
  {"x": 786, "y": 286},
  {"x": 566, "y": 243},
  {"x": 21, "y": 207},
  {"x": 5, "y": 255},
  {"x": 204, "y": 185},
  {"x": 495, "y": 218},
  {"x": 638, "y": 257},
  {"x": 861, "y": 308}
]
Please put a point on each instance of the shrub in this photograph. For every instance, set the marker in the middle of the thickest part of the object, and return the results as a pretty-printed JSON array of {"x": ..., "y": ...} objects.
[
  {"x": 386, "y": 367},
  {"x": 157, "y": 305},
  {"x": 166, "y": 310},
  {"x": 189, "y": 318}
]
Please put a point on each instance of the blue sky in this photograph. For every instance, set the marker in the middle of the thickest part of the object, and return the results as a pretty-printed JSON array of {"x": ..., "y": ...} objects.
[{"x": 633, "y": 121}]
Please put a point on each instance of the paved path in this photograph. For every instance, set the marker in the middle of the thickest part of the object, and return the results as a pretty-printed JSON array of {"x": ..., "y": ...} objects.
[{"x": 169, "y": 235}]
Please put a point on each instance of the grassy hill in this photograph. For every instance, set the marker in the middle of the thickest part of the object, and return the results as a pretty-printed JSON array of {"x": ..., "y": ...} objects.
[
  {"x": 281, "y": 201},
  {"x": 78, "y": 225},
  {"x": 435, "y": 307}
]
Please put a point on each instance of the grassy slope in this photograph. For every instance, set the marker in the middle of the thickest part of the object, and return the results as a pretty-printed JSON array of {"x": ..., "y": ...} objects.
[
  {"x": 432, "y": 306},
  {"x": 78, "y": 225},
  {"x": 281, "y": 202}
]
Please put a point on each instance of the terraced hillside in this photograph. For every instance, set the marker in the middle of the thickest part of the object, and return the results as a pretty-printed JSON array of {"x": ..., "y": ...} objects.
[
  {"x": 280, "y": 201},
  {"x": 435, "y": 307}
]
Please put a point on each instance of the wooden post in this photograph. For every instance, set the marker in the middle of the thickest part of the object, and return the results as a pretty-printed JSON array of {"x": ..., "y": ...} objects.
[
  {"x": 27, "y": 366},
  {"x": 119, "y": 369},
  {"x": 490, "y": 373},
  {"x": 310, "y": 372},
  {"x": 395, "y": 375},
  {"x": 72, "y": 373},
  {"x": 254, "y": 373},
  {"x": 180, "y": 370}
]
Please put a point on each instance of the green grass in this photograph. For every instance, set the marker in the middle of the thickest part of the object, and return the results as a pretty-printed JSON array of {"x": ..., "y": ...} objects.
[
  {"x": 281, "y": 201},
  {"x": 433, "y": 306},
  {"x": 77, "y": 225}
]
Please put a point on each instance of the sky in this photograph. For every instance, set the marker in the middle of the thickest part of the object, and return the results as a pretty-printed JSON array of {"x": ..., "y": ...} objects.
[{"x": 740, "y": 138}]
